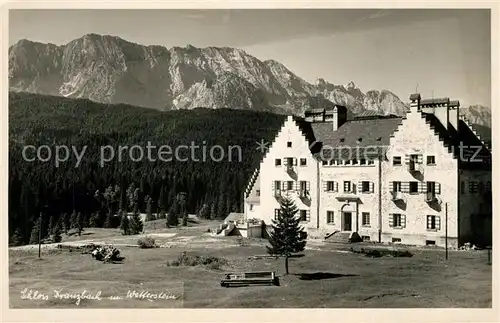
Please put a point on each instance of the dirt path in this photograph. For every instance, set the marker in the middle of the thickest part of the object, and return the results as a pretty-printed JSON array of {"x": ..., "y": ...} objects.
[{"x": 113, "y": 240}]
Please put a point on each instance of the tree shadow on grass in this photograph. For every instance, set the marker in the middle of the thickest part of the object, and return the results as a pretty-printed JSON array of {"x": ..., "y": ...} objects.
[{"x": 321, "y": 275}]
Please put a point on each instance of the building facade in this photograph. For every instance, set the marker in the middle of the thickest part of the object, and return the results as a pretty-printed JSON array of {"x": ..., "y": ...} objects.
[{"x": 424, "y": 179}]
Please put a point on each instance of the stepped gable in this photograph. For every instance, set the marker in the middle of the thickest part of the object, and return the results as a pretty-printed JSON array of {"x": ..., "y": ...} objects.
[{"x": 452, "y": 139}]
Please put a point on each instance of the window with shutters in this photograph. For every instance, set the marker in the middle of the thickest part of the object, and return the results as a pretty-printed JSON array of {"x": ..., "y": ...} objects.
[
  {"x": 433, "y": 222},
  {"x": 473, "y": 187},
  {"x": 396, "y": 161},
  {"x": 290, "y": 161},
  {"x": 303, "y": 162},
  {"x": 431, "y": 160},
  {"x": 330, "y": 219},
  {"x": 397, "y": 220},
  {"x": 366, "y": 219},
  {"x": 366, "y": 187},
  {"x": 413, "y": 188},
  {"x": 330, "y": 186},
  {"x": 304, "y": 215},
  {"x": 277, "y": 162},
  {"x": 289, "y": 185},
  {"x": 431, "y": 187},
  {"x": 277, "y": 185},
  {"x": 396, "y": 186},
  {"x": 347, "y": 186}
]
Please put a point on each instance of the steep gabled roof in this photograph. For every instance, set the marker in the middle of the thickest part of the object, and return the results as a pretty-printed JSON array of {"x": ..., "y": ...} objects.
[{"x": 360, "y": 135}]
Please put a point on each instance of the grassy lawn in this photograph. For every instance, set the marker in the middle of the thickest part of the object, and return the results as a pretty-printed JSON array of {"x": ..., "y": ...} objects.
[{"x": 333, "y": 278}]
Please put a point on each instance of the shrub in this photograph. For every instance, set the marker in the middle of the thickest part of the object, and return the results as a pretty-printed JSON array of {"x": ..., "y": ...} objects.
[
  {"x": 211, "y": 262},
  {"x": 146, "y": 243}
]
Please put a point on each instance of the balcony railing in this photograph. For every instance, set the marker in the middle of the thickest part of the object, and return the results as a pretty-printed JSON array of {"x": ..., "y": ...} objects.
[
  {"x": 304, "y": 194},
  {"x": 415, "y": 166},
  {"x": 431, "y": 197},
  {"x": 397, "y": 196}
]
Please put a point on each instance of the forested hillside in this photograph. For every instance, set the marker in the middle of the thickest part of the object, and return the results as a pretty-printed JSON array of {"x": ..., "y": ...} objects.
[{"x": 97, "y": 192}]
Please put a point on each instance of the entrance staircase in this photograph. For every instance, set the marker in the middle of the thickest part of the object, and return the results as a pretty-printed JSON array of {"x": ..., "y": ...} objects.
[{"x": 343, "y": 237}]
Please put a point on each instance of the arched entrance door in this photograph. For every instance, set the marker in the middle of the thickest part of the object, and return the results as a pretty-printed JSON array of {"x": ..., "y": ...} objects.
[{"x": 348, "y": 214}]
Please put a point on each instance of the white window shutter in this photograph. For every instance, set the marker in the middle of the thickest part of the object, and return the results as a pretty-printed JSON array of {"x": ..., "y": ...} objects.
[
  {"x": 325, "y": 186},
  {"x": 335, "y": 186},
  {"x": 403, "y": 220},
  {"x": 420, "y": 159},
  {"x": 438, "y": 223},
  {"x": 422, "y": 187},
  {"x": 372, "y": 187},
  {"x": 308, "y": 215},
  {"x": 283, "y": 185},
  {"x": 285, "y": 161},
  {"x": 391, "y": 186},
  {"x": 359, "y": 184},
  {"x": 391, "y": 220},
  {"x": 438, "y": 188},
  {"x": 407, "y": 159},
  {"x": 308, "y": 185}
]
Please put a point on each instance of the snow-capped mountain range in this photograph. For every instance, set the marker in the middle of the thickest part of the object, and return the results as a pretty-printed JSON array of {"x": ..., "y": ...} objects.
[{"x": 109, "y": 69}]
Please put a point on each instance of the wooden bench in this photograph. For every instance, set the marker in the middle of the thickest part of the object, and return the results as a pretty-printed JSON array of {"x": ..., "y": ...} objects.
[{"x": 250, "y": 278}]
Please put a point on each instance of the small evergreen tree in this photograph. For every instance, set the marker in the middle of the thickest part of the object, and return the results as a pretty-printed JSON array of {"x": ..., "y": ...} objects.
[
  {"x": 173, "y": 214},
  {"x": 204, "y": 212},
  {"x": 56, "y": 233},
  {"x": 136, "y": 225},
  {"x": 65, "y": 222},
  {"x": 94, "y": 220},
  {"x": 213, "y": 211},
  {"x": 125, "y": 225},
  {"x": 287, "y": 236},
  {"x": 51, "y": 226},
  {"x": 73, "y": 223},
  {"x": 109, "y": 223},
  {"x": 79, "y": 223},
  {"x": 149, "y": 208},
  {"x": 17, "y": 238},
  {"x": 35, "y": 231}
]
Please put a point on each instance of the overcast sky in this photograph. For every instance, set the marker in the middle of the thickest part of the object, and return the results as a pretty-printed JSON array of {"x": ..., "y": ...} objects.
[{"x": 444, "y": 52}]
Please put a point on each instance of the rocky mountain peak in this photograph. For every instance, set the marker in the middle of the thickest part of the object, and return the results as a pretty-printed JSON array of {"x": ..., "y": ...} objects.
[{"x": 109, "y": 69}]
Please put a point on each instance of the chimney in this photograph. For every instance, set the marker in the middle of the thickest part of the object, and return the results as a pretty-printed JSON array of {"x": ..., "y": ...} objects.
[
  {"x": 453, "y": 114},
  {"x": 339, "y": 116},
  {"x": 441, "y": 109},
  {"x": 415, "y": 103}
]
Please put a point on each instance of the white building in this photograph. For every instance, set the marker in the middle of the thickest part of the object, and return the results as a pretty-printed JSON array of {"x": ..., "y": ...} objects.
[{"x": 418, "y": 180}]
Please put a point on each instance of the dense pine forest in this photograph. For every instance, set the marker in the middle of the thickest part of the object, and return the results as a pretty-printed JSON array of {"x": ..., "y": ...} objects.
[{"x": 92, "y": 193}]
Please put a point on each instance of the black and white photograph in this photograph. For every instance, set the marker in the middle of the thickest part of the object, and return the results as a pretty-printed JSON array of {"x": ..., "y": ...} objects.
[{"x": 249, "y": 158}]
